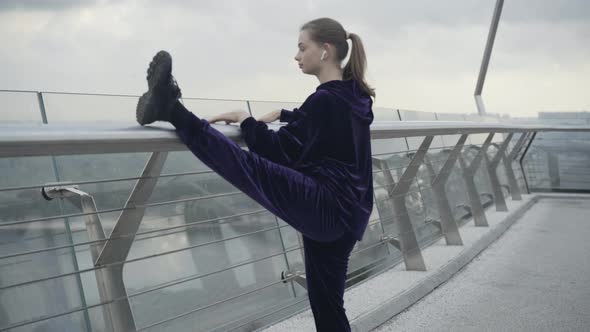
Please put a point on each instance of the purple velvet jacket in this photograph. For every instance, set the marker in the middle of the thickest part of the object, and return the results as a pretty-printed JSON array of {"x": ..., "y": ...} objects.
[{"x": 327, "y": 138}]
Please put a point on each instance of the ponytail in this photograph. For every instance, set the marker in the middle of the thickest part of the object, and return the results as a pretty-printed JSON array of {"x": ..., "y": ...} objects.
[{"x": 357, "y": 64}]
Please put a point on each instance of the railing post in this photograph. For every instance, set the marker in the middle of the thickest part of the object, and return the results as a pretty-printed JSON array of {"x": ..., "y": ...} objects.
[
  {"x": 531, "y": 138},
  {"x": 41, "y": 103},
  {"x": 448, "y": 224},
  {"x": 43, "y": 112},
  {"x": 408, "y": 243},
  {"x": 553, "y": 168},
  {"x": 110, "y": 257},
  {"x": 508, "y": 159},
  {"x": 492, "y": 166},
  {"x": 104, "y": 279},
  {"x": 117, "y": 246},
  {"x": 284, "y": 255},
  {"x": 479, "y": 217}
]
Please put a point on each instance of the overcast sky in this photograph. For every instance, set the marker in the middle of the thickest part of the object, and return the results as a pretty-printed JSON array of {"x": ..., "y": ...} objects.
[{"x": 422, "y": 55}]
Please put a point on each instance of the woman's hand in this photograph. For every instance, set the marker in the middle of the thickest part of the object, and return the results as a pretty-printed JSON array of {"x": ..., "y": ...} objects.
[
  {"x": 230, "y": 117},
  {"x": 270, "y": 117}
]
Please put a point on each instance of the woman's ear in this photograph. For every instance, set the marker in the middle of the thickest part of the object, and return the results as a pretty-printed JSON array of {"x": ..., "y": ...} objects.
[{"x": 327, "y": 49}]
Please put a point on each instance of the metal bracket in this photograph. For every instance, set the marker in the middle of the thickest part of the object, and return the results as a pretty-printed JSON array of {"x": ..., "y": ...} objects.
[
  {"x": 437, "y": 223},
  {"x": 109, "y": 276},
  {"x": 530, "y": 139},
  {"x": 447, "y": 224},
  {"x": 297, "y": 276},
  {"x": 119, "y": 243},
  {"x": 508, "y": 159},
  {"x": 479, "y": 217},
  {"x": 488, "y": 195},
  {"x": 553, "y": 168},
  {"x": 109, "y": 279},
  {"x": 408, "y": 243},
  {"x": 465, "y": 207},
  {"x": 391, "y": 240},
  {"x": 492, "y": 166}
]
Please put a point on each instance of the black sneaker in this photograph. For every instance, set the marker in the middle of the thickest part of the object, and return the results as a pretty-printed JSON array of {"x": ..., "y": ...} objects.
[{"x": 157, "y": 102}]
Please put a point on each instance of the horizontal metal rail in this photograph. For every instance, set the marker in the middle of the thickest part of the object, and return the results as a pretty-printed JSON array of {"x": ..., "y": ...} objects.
[
  {"x": 177, "y": 228},
  {"x": 137, "y": 96},
  {"x": 73, "y": 183},
  {"x": 167, "y": 253},
  {"x": 43, "y": 140},
  {"x": 267, "y": 313},
  {"x": 71, "y": 215},
  {"x": 120, "y": 263},
  {"x": 40, "y": 319},
  {"x": 259, "y": 315},
  {"x": 133, "y": 178}
]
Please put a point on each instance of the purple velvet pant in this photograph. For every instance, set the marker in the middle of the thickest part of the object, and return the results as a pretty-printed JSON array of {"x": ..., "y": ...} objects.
[{"x": 297, "y": 199}]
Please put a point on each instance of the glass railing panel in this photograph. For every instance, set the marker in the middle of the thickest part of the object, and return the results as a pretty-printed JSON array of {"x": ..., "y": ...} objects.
[
  {"x": 25, "y": 229},
  {"x": 414, "y": 142},
  {"x": 187, "y": 293},
  {"x": 206, "y": 108},
  {"x": 368, "y": 252},
  {"x": 558, "y": 161},
  {"x": 477, "y": 139},
  {"x": 77, "y": 108},
  {"x": 259, "y": 108},
  {"x": 481, "y": 178},
  {"x": 450, "y": 140},
  {"x": 17, "y": 107},
  {"x": 397, "y": 163},
  {"x": 385, "y": 114}
]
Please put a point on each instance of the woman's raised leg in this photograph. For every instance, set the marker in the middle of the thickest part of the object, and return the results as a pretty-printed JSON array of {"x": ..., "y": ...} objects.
[{"x": 294, "y": 197}]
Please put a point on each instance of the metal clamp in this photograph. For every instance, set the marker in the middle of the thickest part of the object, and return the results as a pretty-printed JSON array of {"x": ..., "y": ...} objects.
[
  {"x": 391, "y": 240},
  {"x": 297, "y": 276}
]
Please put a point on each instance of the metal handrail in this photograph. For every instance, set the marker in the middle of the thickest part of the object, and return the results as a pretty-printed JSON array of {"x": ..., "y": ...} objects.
[
  {"x": 66, "y": 93},
  {"x": 44, "y": 140}
]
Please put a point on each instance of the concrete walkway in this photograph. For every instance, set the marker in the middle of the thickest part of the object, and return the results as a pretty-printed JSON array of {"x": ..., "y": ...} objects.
[{"x": 536, "y": 277}]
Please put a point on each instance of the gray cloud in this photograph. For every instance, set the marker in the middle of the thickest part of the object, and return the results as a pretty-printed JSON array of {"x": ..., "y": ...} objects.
[
  {"x": 44, "y": 4},
  {"x": 422, "y": 55}
]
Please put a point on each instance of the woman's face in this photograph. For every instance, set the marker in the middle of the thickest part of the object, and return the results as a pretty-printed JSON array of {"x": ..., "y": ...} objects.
[{"x": 309, "y": 54}]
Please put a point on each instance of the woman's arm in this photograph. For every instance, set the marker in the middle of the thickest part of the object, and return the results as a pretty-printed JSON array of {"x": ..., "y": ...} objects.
[
  {"x": 286, "y": 145},
  {"x": 289, "y": 116}
]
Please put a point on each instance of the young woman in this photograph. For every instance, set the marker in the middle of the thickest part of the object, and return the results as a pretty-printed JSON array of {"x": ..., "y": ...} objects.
[{"x": 314, "y": 173}]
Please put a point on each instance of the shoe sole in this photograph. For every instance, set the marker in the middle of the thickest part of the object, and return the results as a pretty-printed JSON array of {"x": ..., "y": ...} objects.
[{"x": 158, "y": 75}]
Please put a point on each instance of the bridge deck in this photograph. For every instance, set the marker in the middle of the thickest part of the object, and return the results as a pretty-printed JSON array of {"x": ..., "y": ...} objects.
[{"x": 536, "y": 277}]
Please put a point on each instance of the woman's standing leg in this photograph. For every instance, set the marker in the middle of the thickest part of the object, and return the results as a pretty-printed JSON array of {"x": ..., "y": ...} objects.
[{"x": 326, "y": 264}]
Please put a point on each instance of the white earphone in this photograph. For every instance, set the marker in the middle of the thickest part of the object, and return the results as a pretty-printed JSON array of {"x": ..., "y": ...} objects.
[{"x": 323, "y": 55}]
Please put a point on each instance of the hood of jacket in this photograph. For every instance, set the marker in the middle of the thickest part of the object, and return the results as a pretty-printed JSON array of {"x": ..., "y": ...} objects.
[{"x": 352, "y": 94}]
